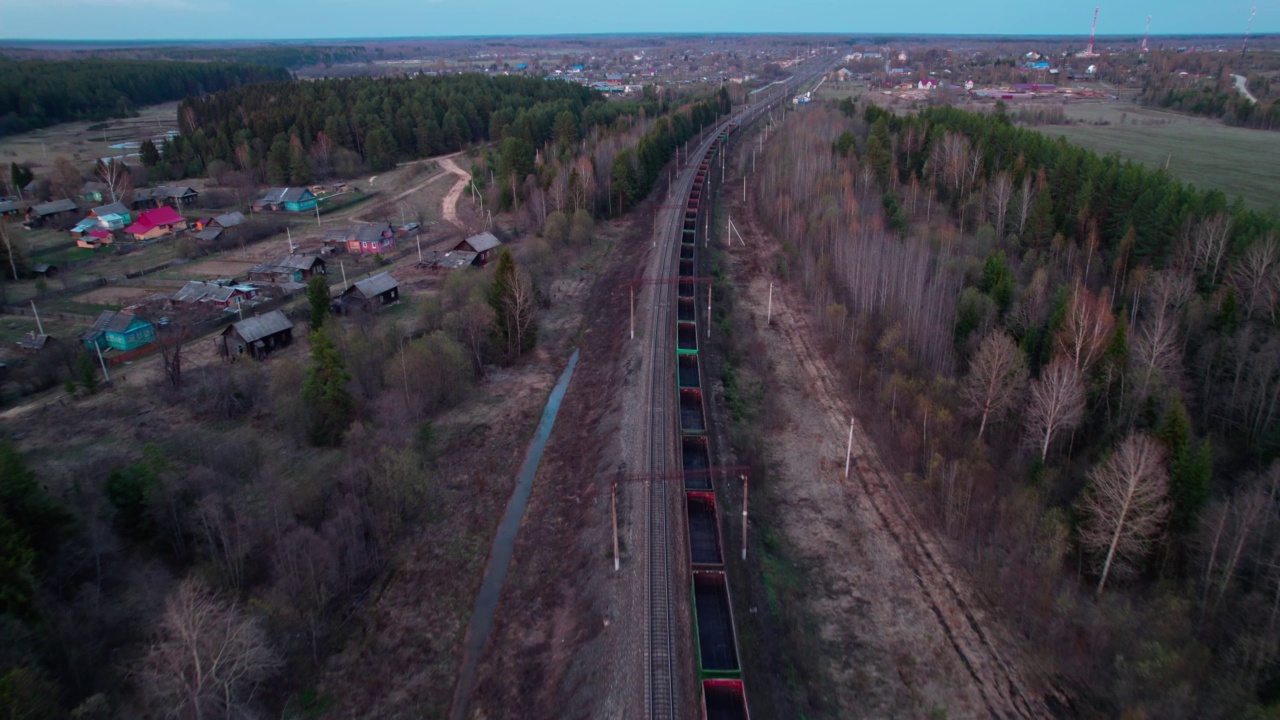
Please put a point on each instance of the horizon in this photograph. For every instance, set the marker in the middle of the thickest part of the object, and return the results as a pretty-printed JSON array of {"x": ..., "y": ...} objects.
[{"x": 317, "y": 20}]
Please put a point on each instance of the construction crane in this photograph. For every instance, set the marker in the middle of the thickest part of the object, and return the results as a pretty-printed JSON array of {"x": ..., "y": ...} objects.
[
  {"x": 1247, "y": 28},
  {"x": 1146, "y": 35},
  {"x": 1093, "y": 33}
]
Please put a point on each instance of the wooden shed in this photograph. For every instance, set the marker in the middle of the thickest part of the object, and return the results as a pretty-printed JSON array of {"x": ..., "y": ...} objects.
[
  {"x": 258, "y": 336},
  {"x": 369, "y": 294}
]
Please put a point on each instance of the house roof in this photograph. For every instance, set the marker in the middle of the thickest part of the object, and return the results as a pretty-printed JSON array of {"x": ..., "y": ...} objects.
[
  {"x": 115, "y": 208},
  {"x": 173, "y": 191},
  {"x": 455, "y": 259},
  {"x": 229, "y": 220},
  {"x": 161, "y": 216},
  {"x": 254, "y": 329},
  {"x": 99, "y": 325},
  {"x": 298, "y": 262},
  {"x": 483, "y": 241},
  {"x": 209, "y": 235},
  {"x": 193, "y": 291},
  {"x": 32, "y": 341},
  {"x": 121, "y": 322},
  {"x": 372, "y": 233},
  {"x": 57, "y": 206},
  {"x": 278, "y": 195},
  {"x": 372, "y": 287},
  {"x": 8, "y": 206}
]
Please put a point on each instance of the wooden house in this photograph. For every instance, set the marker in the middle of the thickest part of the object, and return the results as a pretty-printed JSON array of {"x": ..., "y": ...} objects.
[
  {"x": 94, "y": 192},
  {"x": 200, "y": 294},
  {"x": 156, "y": 223},
  {"x": 119, "y": 330},
  {"x": 258, "y": 336},
  {"x": 369, "y": 294},
  {"x": 286, "y": 199},
  {"x": 485, "y": 245},
  {"x": 40, "y": 214},
  {"x": 289, "y": 268}
]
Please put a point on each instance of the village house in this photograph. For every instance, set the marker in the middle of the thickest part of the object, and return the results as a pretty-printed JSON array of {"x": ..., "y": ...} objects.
[
  {"x": 258, "y": 336},
  {"x": 287, "y": 199},
  {"x": 482, "y": 245},
  {"x": 156, "y": 223},
  {"x": 370, "y": 239},
  {"x": 212, "y": 228},
  {"x": 196, "y": 294},
  {"x": 176, "y": 196},
  {"x": 119, "y": 330},
  {"x": 289, "y": 268},
  {"x": 369, "y": 294},
  {"x": 94, "y": 192},
  {"x": 40, "y": 214}
]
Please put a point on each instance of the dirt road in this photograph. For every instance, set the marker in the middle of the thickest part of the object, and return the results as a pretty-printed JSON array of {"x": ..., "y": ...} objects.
[
  {"x": 900, "y": 631},
  {"x": 450, "y": 209}
]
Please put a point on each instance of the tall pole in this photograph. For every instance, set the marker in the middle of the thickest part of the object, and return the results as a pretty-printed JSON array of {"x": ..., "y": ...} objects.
[
  {"x": 105, "y": 375},
  {"x": 343, "y": 268},
  {"x": 290, "y": 234},
  {"x": 633, "y": 311},
  {"x": 708, "y": 309},
  {"x": 39, "y": 325},
  {"x": 613, "y": 502},
  {"x": 768, "y": 314},
  {"x": 745, "y": 487},
  {"x": 8, "y": 246},
  {"x": 848, "y": 453},
  {"x": 418, "y": 239},
  {"x": 317, "y": 213}
]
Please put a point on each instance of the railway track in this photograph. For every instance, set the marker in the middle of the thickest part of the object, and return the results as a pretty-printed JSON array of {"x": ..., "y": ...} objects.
[{"x": 662, "y": 682}]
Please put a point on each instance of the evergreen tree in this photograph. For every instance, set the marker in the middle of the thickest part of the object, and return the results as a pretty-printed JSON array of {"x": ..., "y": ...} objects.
[
  {"x": 278, "y": 162},
  {"x": 20, "y": 175},
  {"x": 299, "y": 166},
  {"x": 565, "y": 129},
  {"x": 1190, "y": 468},
  {"x": 319, "y": 298},
  {"x": 325, "y": 392}
]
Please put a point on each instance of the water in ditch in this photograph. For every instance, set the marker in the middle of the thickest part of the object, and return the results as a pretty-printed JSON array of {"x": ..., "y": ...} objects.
[{"x": 495, "y": 573}]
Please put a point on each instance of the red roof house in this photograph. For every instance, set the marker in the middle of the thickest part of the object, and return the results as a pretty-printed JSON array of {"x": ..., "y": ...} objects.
[{"x": 156, "y": 223}]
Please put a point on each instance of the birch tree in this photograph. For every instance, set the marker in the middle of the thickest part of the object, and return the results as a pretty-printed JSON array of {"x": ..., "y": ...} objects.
[
  {"x": 1057, "y": 403},
  {"x": 1026, "y": 197},
  {"x": 1256, "y": 277},
  {"x": 1086, "y": 328},
  {"x": 997, "y": 379},
  {"x": 1125, "y": 506},
  {"x": 208, "y": 657},
  {"x": 1001, "y": 193}
]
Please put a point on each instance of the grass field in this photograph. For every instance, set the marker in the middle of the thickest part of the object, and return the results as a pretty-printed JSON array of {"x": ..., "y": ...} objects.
[
  {"x": 1205, "y": 153},
  {"x": 83, "y": 146}
]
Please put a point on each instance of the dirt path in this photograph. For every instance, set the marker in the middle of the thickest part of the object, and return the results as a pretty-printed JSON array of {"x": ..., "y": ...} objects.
[
  {"x": 901, "y": 632},
  {"x": 450, "y": 209},
  {"x": 1242, "y": 84}
]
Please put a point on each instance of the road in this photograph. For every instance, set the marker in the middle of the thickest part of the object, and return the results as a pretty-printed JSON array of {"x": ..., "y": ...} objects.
[
  {"x": 1242, "y": 84},
  {"x": 450, "y": 209}
]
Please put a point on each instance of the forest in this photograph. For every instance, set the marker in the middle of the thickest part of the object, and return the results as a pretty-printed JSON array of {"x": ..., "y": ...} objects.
[
  {"x": 1208, "y": 89},
  {"x": 39, "y": 93},
  {"x": 1074, "y": 361},
  {"x": 235, "y": 516}
]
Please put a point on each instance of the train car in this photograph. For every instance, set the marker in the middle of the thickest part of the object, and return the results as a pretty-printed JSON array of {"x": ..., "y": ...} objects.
[
  {"x": 717, "y": 646},
  {"x": 724, "y": 700}
]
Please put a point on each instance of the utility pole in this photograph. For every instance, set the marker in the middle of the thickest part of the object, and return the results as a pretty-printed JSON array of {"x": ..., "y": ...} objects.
[
  {"x": 8, "y": 246},
  {"x": 105, "y": 375},
  {"x": 633, "y": 311},
  {"x": 418, "y": 238},
  {"x": 343, "y": 268},
  {"x": 613, "y": 503},
  {"x": 768, "y": 313},
  {"x": 289, "y": 231},
  {"x": 317, "y": 213},
  {"x": 745, "y": 487},
  {"x": 39, "y": 325},
  {"x": 848, "y": 453},
  {"x": 708, "y": 310}
]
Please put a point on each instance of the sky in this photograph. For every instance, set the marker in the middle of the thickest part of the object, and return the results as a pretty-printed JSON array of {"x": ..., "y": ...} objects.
[{"x": 323, "y": 19}]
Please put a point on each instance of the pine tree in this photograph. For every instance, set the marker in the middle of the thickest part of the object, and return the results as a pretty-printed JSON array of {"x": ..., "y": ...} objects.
[
  {"x": 325, "y": 392},
  {"x": 318, "y": 297},
  {"x": 1190, "y": 467},
  {"x": 299, "y": 167}
]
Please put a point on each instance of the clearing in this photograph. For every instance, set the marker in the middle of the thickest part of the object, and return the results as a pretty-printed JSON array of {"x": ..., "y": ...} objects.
[
  {"x": 1204, "y": 152},
  {"x": 118, "y": 295},
  {"x": 118, "y": 138}
]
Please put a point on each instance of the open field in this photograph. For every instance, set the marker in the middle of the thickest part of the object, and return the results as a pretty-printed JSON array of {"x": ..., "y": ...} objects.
[
  {"x": 82, "y": 146},
  {"x": 119, "y": 295},
  {"x": 213, "y": 269},
  {"x": 1203, "y": 152}
]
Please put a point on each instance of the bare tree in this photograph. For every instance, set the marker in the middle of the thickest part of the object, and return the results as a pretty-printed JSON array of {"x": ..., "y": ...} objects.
[
  {"x": 521, "y": 307},
  {"x": 1086, "y": 328},
  {"x": 66, "y": 180},
  {"x": 1256, "y": 277},
  {"x": 997, "y": 378},
  {"x": 1125, "y": 506},
  {"x": 117, "y": 177},
  {"x": 1208, "y": 245},
  {"x": 1001, "y": 192},
  {"x": 470, "y": 326},
  {"x": 1057, "y": 403},
  {"x": 1026, "y": 197},
  {"x": 207, "y": 659}
]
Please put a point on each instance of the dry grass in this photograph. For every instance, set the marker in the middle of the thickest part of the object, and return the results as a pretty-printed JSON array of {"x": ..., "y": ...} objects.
[{"x": 83, "y": 146}]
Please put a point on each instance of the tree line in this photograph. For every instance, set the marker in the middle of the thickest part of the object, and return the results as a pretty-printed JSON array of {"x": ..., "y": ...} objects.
[
  {"x": 1075, "y": 358},
  {"x": 39, "y": 93}
]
